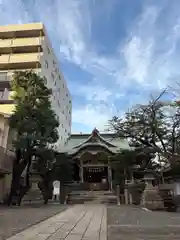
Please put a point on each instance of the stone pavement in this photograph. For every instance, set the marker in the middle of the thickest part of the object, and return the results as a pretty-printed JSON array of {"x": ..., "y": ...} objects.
[
  {"x": 15, "y": 219},
  {"x": 80, "y": 222},
  {"x": 133, "y": 223}
]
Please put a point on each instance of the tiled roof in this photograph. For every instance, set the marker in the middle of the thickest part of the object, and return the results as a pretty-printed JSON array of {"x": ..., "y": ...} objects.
[{"x": 108, "y": 141}]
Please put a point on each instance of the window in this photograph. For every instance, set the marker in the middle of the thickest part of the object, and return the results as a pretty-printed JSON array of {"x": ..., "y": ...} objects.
[
  {"x": 66, "y": 94},
  {"x": 52, "y": 75},
  {"x": 1, "y": 93},
  {"x": 63, "y": 85},
  {"x": 48, "y": 50},
  {"x": 46, "y": 63},
  {"x": 54, "y": 63},
  {"x": 59, "y": 78}
]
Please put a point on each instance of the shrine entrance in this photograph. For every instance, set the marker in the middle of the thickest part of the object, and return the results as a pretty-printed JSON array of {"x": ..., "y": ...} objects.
[
  {"x": 96, "y": 177},
  {"x": 94, "y": 169},
  {"x": 95, "y": 174}
]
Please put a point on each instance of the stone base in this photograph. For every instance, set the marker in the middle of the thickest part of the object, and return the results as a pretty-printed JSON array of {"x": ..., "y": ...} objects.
[
  {"x": 33, "y": 194},
  {"x": 151, "y": 199},
  {"x": 177, "y": 202}
]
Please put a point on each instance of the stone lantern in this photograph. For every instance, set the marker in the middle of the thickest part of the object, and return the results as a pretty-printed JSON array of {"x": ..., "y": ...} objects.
[{"x": 151, "y": 198}]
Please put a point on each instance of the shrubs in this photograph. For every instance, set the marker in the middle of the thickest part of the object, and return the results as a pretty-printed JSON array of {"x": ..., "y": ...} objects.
[{"x": 136, "y": 189}]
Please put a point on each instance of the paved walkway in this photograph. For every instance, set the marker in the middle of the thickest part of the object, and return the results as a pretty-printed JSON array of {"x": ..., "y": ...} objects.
[
  {"x": 15, "y": 219},
  {"x": 80, "y": 222},
  {"x": 133, "y": 223}
]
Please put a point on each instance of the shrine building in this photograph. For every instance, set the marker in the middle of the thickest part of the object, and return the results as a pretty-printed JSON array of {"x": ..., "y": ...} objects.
[{"x": 91, "y": 154}]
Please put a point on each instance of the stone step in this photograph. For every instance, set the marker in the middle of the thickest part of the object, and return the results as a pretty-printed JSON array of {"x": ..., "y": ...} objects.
[{"x": 82, "y": 197}]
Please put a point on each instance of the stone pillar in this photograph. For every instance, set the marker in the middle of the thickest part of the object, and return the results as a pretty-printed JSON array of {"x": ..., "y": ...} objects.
[
  {"x": 81, "y": 173},
  {"x": 110, "y": 178},
  {"x": 126, "y": 195},
  {"x": 118, "y": 194},
  {"x": 130, "y": 198},
  {"x": 176, "y": 191}
]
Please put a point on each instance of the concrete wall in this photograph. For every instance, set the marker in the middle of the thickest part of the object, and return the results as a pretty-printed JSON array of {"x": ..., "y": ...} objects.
[
  {"x": 61, "y": 98},
  {"x": 5, "y": 184},
  {"x": 6, "y": 137}
]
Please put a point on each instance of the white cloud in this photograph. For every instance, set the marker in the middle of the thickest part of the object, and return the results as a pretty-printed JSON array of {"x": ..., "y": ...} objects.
[
  {"x": 146, "y": 57},
  {"x": 91, "y": 116},
  {"x": 93, "y": 92},
  {"x": 138, "y": 56},
  {"x": 12, "y": 12}
]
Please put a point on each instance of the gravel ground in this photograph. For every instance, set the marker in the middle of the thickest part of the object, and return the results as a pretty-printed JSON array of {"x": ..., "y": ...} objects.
[
  {"x": 15, "y": 219},
  {"x": 133, "y": 223}
]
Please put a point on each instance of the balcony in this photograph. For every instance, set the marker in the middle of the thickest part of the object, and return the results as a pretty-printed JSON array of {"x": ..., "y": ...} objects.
[
  {"x": 7, "y": 109},
  {"x": 6, "y": 162},
  {"x": 20, "y": 61},
  {"x": 21, "y": 45},
  {"x": 22, "y": 30}
]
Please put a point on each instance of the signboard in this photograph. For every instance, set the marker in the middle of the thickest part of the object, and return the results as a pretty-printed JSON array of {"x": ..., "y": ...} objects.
[{"x": 98, "y": 169}]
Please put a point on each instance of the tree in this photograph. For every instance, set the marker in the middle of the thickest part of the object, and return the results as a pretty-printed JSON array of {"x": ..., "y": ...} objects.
[
  {"x": 51, "y": 166},
  {"x": 44, "y": 167},
  {"x": 63, "y": 172},
  {"x": 154, "y": 127},
  {"x": 121, "y": 163},
  {"x": 35, "y": 124}
]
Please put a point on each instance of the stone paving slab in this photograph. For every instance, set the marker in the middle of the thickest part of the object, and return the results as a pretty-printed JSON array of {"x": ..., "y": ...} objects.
[
  {"x": 133, "y": 223},
  {"x": 80, "y": 222},
  {"x": 16, "y": 219}
]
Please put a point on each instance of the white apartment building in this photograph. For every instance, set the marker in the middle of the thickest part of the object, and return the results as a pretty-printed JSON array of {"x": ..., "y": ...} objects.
[{"x": 27, "y": 46}]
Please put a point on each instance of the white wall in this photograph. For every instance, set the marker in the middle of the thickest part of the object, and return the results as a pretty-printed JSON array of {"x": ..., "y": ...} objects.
[{"x": 61, "y": 98}]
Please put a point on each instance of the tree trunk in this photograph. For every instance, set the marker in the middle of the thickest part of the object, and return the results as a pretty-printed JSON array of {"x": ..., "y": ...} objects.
[
  {"x": 45, "y": 200},
  {"x": 24, "y": 189},
  {"x": 18, "y": 168},
  {"x": 62, "y": 193},
  {"x": 14, "y": 187}
]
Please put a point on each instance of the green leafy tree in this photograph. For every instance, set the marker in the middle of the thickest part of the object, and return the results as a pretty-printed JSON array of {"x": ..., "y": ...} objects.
[
  {"x": 44, "y": 167},
  {"x": 35, "y": 124},
  {"x": 52, "y": 166},
  {"x": 63, "y": 172},
  {"x": 154, "y": 127},
  {"x": 122, "y": 164}
]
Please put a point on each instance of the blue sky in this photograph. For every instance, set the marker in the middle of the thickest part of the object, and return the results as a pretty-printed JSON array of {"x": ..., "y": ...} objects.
[{"x": 113, "y": 53}]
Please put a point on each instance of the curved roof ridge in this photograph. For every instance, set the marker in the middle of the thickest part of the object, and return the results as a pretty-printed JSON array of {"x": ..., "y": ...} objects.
[
  {"x": 94, "y": 133},
  {"x": 94, "y": 144}
]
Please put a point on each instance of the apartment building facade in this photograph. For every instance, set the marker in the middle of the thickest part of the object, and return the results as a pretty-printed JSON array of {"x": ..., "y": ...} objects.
[{"x": 25, "y": 47}]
